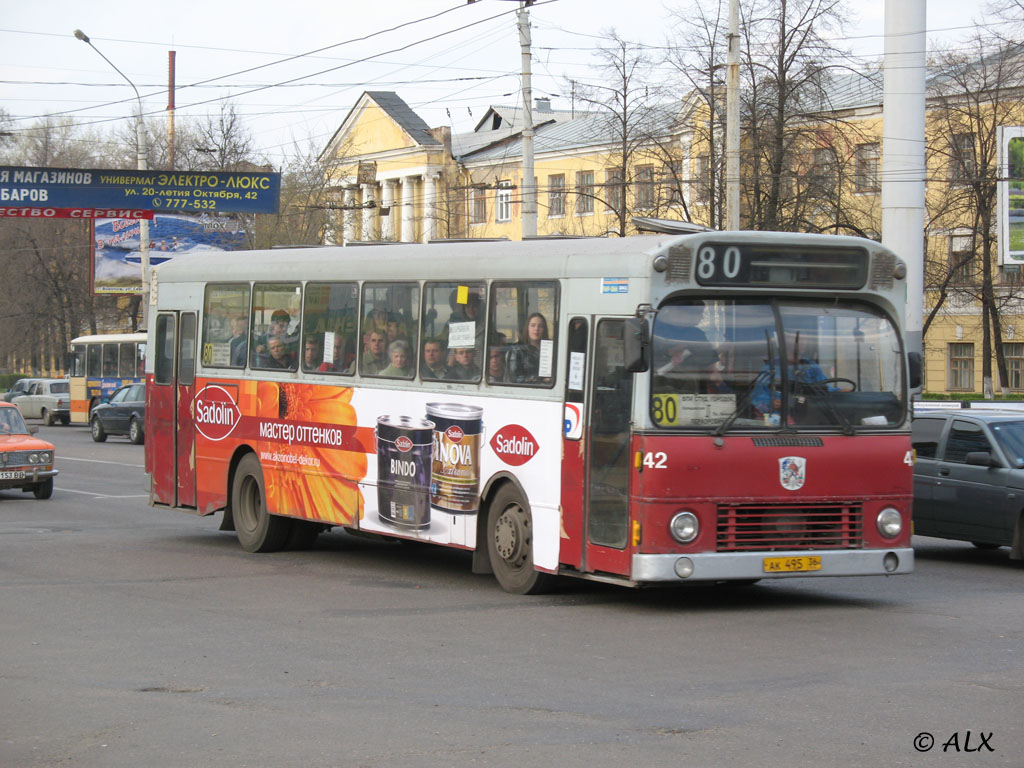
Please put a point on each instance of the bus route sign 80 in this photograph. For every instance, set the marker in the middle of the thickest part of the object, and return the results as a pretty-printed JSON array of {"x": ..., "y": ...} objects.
[{"x": 725, "y": 264}]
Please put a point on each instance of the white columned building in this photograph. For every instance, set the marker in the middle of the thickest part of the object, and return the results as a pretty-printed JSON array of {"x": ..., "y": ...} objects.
[
  {"x": 430, "y": 211},
  {"x": 387, "y": 211},
  {"x": 350, "y": 216},
  {"x": 369, "y": 211}
]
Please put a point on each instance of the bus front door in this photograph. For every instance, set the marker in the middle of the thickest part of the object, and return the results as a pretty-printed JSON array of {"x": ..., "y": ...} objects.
[
  {"x": 170, "y": 432},
  {"x": 606, "y": 510}
]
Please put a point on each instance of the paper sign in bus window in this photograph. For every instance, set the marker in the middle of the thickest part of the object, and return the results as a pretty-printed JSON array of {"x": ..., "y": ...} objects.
[
  {"x": 462, "y": 335},
  {"x": 329, "y": 347},
  {"x": 577, "y": 363},
  {"x": 547, "y": 350}
]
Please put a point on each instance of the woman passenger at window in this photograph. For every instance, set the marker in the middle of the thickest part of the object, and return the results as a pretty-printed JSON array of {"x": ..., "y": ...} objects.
[
  {"x": 523, "y": 365},
  {"x": 400, "y": 366}
]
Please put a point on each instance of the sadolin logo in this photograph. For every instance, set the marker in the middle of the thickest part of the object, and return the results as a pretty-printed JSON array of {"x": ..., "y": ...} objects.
[
  {"x": 216, "y": 412},
  {"x": 514, "y": 445},
  {"x": 454, "y": 433},
  {"x": 403, "y": 443}
]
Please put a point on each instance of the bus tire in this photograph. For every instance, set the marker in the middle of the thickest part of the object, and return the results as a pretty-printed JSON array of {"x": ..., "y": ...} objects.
[
  {"x": 257, "y": 529},
  {"x": 135, "y": 432},
  {"x": 43, "y": 490},
  {"x": 98, "y": 433},
  {"x": 510, "y": 544}
]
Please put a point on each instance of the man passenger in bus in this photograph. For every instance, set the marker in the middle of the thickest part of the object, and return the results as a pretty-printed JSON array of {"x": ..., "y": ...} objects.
[
  {"x": 344, "y": 357},
  {"x": 687, "y": 359},
  {"x": 496, "y": 364},
  {"x": 239, "y": 339},
  {"x": 523, "y": 362},
  {"x": 374, "y": 359},
  {"x": 400, "y": 366},
  {"x": 279, "y": 355},
  {"x": 465, "y": 367},
  {"x": 801, "y": 371},
  {"x": 279, "y": 322},
  {"x": 311, "y": 357},
  {"x": 433, "y": 365}
]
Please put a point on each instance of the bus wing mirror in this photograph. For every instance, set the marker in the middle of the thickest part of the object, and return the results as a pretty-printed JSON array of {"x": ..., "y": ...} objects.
[
  {"x": 914, "y": 365},
  {"x": 637, "y": 343}
]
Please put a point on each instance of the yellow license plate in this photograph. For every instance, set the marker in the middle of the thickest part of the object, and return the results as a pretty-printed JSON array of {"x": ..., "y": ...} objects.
[{"x": 791, "y": 564}]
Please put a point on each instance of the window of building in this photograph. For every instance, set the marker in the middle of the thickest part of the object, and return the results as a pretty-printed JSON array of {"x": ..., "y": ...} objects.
[
  {"x": 675, "y": 181},
  {"x": 822, "y": 181},
  {"x": 1014, "y": 356},
  {"x": 503, "y": 206},
  {"x": 961, "y": 366},
  {"x": 866, "y": 167},
  {"x": 585, "y": 192},
  {"x": 613, "y": 189},
  {"x": 556, "y": 195},
  {"x": 479, "y": 215},
  {"x": 702, "y": 179},
  {"x": 961, "y": 158},
  {"x": 645, "y": 186},
  {"x": 961, "y": 259}
]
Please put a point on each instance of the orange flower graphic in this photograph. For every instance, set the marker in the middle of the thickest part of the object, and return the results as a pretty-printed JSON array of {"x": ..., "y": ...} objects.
[{"x": 317, "y": 482}]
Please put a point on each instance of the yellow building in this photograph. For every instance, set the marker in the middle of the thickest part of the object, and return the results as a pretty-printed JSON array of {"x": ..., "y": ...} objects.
[{"x": 400, "y": 180}]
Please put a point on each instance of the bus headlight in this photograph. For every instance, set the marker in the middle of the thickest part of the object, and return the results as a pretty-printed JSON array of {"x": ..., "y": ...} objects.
[
  {"x": 684, "y": 527},
  {"x": 890, "y": 523}
]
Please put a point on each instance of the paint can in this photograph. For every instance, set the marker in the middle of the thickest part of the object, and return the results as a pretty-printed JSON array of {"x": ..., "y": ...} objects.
[
  {"x": 404, "y": 447},
  {"x": 455, "y": 467}
]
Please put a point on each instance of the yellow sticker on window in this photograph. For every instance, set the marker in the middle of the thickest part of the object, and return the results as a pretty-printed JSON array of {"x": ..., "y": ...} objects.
[{"x": 462, "y": 297}]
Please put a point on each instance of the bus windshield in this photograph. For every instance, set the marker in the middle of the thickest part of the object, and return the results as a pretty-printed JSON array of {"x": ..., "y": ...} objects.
[{"x": 763, "y": 364}]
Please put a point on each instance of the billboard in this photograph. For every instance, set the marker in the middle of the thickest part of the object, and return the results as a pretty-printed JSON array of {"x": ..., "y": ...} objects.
[
  {"x": 1011, "y": 195},
  {"x": 178, "y": 191},
  {"x": 117, "y": 262}
]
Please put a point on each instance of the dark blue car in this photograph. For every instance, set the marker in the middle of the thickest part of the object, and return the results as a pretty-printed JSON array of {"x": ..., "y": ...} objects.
[{"x": 123, "y": 414}]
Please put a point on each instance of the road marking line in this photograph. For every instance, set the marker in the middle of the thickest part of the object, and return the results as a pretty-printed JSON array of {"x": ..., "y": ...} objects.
[
  {"x": 105, "y": 495},
  {"x": 100, "y": 461}
]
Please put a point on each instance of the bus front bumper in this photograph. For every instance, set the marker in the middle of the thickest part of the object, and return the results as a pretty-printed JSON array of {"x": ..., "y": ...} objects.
[{"x": 723, "y": 566}]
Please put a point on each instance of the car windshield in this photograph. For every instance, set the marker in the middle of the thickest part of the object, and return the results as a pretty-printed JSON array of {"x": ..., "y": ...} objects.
[
  {"x": 11, "y": 422},
  {"x": 719, "y": 365},
  {"x": 1010, "y": 435}
]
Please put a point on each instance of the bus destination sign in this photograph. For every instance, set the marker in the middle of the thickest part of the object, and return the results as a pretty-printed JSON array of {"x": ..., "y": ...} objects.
[
  {"x": 764, "y": 266},
  {"x": 167, "y": 191}
]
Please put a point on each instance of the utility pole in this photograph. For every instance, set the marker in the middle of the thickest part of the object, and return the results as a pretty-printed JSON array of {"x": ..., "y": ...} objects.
[
  {"x": 732, "y": 121},
  {"x": 529, "y": 195},
  {"x": 903, "y": 168},
  {"x": 170, "y": 107}
]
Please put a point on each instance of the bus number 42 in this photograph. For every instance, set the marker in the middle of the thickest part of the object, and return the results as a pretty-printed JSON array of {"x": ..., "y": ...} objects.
[{"x": 656, "y": 460}]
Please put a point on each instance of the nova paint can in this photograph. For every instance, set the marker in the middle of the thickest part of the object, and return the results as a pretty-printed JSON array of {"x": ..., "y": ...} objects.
[
  {"x": 404, "y": 446},
  {"x": 455, "y": 468}
]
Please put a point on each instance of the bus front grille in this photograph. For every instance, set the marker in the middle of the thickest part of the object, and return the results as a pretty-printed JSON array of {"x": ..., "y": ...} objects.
[{"x": 753, "y": 529}]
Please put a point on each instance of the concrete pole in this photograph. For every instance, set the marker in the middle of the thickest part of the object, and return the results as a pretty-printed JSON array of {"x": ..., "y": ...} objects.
[
  {"x": 903, "y": 159},
  {"x": 732, "y": 121},
  {"x": 529, "y": 189}
]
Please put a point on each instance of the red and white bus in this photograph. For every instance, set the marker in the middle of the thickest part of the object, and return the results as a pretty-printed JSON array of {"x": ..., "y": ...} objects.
[{"x": 726, "y": 406}]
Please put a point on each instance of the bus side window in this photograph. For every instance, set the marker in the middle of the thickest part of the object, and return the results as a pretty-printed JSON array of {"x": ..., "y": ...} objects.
[
  {"x": 390, "y": 330},
  {"x": 225, "y": 325},
  {"x": 165, "y": 344},
  {"x": 329, "y": 323},
  {"x": 453, "y": 331},
  {"x": 275, "y": 326},
  {"x": 110, "y": 359},
  {"x": 576, "y": 364},
  {"x": 526, "y": 313}
]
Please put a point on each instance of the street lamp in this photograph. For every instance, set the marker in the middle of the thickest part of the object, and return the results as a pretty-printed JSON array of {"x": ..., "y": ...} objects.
[{"x": 143, "y": 223}]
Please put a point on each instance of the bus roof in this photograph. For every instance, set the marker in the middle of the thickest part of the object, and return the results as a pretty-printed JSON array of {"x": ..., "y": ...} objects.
[{"x": 99, "y": 338}]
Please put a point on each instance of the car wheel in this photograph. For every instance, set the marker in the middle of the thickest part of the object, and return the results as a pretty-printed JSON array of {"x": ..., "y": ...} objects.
[
  {"x": 135, "y": 432},
  {"x": 47, "y": 417},
  {"x": 257, "y": 529},
  {"x": 510, "y": 545},
  {"x": 98, "y": 433},
  {"x": 43, "y": 490}
]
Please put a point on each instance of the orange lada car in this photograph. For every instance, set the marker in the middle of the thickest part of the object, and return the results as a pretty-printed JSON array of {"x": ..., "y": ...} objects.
[{"x": 26, "y": 462}]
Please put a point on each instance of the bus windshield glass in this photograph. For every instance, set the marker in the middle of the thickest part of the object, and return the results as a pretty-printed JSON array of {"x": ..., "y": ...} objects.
[{"x": 761, "y": 364}]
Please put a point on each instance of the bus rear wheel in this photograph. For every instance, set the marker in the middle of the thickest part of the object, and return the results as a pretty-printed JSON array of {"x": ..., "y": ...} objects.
[
  {"x": 257, "y": 529},
  {"x": 510, "y": 545}
]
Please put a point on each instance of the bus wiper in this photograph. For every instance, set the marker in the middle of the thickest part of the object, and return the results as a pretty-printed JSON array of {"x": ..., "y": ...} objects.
[
  {"x": 822, "y": 392},
  {"x": 744, "y": 401}
]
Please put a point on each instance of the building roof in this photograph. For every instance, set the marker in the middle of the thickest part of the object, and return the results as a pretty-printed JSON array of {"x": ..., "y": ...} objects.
[{"x": 402, "y": 114}]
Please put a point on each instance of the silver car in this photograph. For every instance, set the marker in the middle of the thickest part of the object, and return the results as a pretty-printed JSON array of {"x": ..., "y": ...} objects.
[
  {"x": 47, "y": 399},
  {"x": 969, "y": 477}
]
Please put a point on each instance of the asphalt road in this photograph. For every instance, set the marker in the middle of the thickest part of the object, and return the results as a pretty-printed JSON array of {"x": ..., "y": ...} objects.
[{"x": 139, "y": 637}]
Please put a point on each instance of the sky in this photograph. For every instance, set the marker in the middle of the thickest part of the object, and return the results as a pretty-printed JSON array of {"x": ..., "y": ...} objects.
[{"x": 294, "y": 69}]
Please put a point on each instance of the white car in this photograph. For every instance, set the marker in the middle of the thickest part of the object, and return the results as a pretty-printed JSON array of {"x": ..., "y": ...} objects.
[{"x": 47, "y": 399}]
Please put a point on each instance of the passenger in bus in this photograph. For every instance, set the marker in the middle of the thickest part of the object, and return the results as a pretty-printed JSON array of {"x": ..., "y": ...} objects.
[
  {"x": 685, "y": 356},
  {"x": 376, "y": 320},
  {"x": 311, "y": 356},
  {"x": 465, "y": 367},
  {"x": 279, "y": 322},
  {"x": 239, "y": 339},
  {"x": 374, "y": 359},
  {"x": 400, "y": 366},
  {"x": 433, "y": 365},
  {"x": 802, "y": 373},
  {"x": 280, "y": 356},
  {"x": 344, "y": 356},
  {"x": 522, "y": 364},
  {"x": 496, "y": 363},
  {"x": 396, "y": 329}
]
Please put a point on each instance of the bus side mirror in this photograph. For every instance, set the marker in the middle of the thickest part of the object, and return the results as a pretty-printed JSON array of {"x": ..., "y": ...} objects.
[
  {"x": 636, "y": 345},
  {"x": 914, "y": 365}
]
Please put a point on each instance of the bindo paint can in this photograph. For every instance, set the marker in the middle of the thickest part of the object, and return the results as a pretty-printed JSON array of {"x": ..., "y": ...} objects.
[
  {"x": 404, "y": 446},
  {"x": 455, "y": 468}
]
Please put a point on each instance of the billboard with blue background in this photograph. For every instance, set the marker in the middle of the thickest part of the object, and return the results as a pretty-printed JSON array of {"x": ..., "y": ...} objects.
[{"x": 117, "y": 262}]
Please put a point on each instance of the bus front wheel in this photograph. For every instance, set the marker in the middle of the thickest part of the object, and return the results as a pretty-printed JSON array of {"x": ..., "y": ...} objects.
[
  {"x": 510, "y": 545},
  {"x": 257, "y": 529}
]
